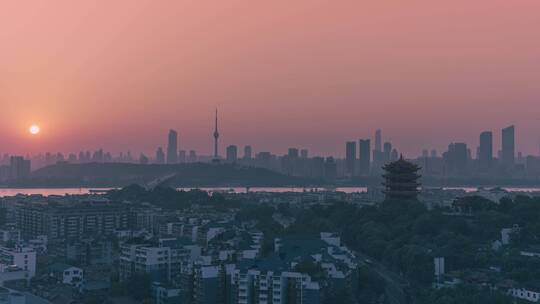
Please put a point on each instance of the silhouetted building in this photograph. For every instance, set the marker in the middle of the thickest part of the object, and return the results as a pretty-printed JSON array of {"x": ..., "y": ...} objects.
[
  {"x": 160, "y": 156},
  {"x": 19, "y": 167},
  {"x": 456, "y": 159},
  {"x": 378, "y": 155},
  {"x": 248, "y": 153},
  {"x": 216, "y": 139},
  {"x": 330, "y": 169},
  {"x": 172, "y": 147},
  {"x": 394, "y": 155},
  {"x": 292, "y": 153},
  {"x": 192, "y": 156},
  {"x": 304, "y": 153},
  {"x": 182, "y": 156},
  {"x": 485, "y": 151},
  {"x": 143, "y": 159},
  {"x": 232, "y": 154},
  {"x": 315, "y": 167},
  {"x": 387, "y": 151},
  {"x": 365, "y": 156},
  {"x": 508, "y": 147},
  {"x": 378, "y": 140},
  {"x": 350, "y": 157},
  {"x": 401, "y": 180}
]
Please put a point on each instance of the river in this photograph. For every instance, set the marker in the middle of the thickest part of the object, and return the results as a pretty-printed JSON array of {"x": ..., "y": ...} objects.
[{"x": 74, "y": 191}]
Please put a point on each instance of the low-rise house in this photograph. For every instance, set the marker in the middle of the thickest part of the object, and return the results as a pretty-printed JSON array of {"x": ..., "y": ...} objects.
[
  {"x": 529, "y": 291},
  {"x": 66, "y": 274}
]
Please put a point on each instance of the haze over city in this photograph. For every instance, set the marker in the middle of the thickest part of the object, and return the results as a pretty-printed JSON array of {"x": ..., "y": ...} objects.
[
  {"x": 255, "y": 152},
  {"x": 311, "y": 74}
]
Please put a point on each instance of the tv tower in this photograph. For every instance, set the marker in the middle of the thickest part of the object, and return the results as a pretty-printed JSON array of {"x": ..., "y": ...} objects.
[{"x": 216, "y": 138}]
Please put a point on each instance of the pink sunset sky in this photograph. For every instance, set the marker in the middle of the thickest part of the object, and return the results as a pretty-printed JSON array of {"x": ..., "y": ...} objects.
[{"x": 118, "y": 74}]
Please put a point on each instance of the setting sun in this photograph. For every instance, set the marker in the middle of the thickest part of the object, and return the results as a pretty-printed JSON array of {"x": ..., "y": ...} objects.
[{"x": 34, "y": 129}]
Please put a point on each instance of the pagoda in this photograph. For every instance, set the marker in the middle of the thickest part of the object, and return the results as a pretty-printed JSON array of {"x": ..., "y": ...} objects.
[{"x": 401, "y": 180}]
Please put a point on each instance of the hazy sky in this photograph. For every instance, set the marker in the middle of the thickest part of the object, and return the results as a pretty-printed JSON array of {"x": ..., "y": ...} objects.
[{"x": 119, "y": 74}]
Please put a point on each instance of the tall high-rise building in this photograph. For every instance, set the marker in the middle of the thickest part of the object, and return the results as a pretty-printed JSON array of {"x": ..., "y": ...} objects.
[
  {"x": 182, "y": 156},
  {"x": 232, "y": 153},
  {"x": 387, "y": 151},
  {"x": 378, "y": 140},
  {"x": 378, "y": 155},
  {"x": 172, "y": 147},
  {"x": 160, "y": 156},
  {"x": 19, "y": 167},
  {"x": 365, "y": 156},
  {"x": 248, "y": 152},
  {"x": 485, "y": 151},
  {"x": 330, "y": 169},
  {"x": 192, "y": 158},
  {"x": 292, "y": 153},
  {"x": 508, "y": 147},
  {"x": 304, "y": 153},
  {"x": 216, "y": 139},
  {"x": 456, "y": 158},
  {"x": 394, "y": 155},
  {"x": 350, "y": 157}
]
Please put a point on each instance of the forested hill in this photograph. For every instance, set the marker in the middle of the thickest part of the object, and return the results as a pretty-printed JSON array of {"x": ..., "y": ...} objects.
[{"x": 184, "y": 175}]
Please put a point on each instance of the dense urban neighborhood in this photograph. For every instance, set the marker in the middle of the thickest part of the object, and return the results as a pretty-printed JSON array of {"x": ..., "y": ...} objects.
[{"x": 394, "y": 244}]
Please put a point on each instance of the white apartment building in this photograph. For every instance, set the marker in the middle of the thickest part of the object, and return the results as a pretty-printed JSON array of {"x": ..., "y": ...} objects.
[{"x": 22, "y": 257}]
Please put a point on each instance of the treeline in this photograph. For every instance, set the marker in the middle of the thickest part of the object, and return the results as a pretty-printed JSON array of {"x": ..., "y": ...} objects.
[
  {"x": 405, "y": 236},
  {"x": 169, "y": 198}
]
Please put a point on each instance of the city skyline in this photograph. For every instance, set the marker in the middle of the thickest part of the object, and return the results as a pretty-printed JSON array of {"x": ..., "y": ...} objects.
[
  {"x": 173, "y": 148},
  {"x": 425, "y": 81},
  {"x": 255, "y": 152}
]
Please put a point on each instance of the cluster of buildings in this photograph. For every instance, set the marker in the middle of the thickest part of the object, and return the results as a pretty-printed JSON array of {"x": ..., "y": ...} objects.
[
  {"x": 14, "y": 167},
  {"x": 492, "y": 277},
  {"x": 362, "y": 159},
  {"x": 458, "y": 160},
  {"x": 74, "y": 247}
]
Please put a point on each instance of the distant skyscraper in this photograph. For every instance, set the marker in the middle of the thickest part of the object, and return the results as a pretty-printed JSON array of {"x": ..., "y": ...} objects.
[
  {"x": 192, "y": 158},
  {"x": 378, "y": 155},
  {"x": 216, "y": 139},
  {"x": 378, "y": 140},
  {"x": 394, "y": 155},
  {"x": 458, "y": 154},
  {"x": 485, "y": 151},
  {"x": 160, "y": 156},
  {"x": 232, "y": 153},
  {"x": 19, "y": 167},
  {"x": 304, "y": 153},
  {"x": 365, "y": 156},
  {"x": 508, "y": 147},
  {"x": 330, "y": 169},
  {"x": 182, "y": 156},
  {"x": 387, "y": 151},
  {"x": 350, "y": 157},
  {"x": 433, "y": 153},
  {"x": 172, "y": 147},
  {"x": 143, "y": 159},
  {"x": 292, "y": 153},
  {"x": 248, "y": 152}
]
